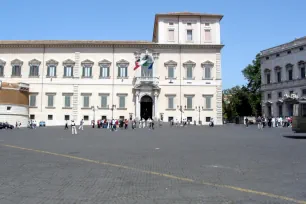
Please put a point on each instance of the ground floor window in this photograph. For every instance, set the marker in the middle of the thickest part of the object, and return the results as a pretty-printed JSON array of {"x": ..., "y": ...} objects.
[
  {"x": 50, "y": 117},
  {"x": 86, "y": 117},
  {"x": 32, "y": 117},
  {"x": 170, "y": 118},
  {"x": 121, "y": 117},
  {"x": 103, "y": 117},
  {"x": 67, "y": 117},
  {"x": 207, "y": 119},
  {"x": 189, "y": 119}
]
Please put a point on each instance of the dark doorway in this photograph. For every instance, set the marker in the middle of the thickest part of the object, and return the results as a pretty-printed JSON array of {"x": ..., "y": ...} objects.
[{"x": 146, "y": 107}]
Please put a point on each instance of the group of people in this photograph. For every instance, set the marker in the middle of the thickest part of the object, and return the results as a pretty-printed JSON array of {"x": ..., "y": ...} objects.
[
  {"x": 271, "y": 122},
  {"x": 113, "y": 125}
]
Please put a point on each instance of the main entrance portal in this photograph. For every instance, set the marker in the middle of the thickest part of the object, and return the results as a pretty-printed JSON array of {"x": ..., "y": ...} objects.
[{"x": 146, "y": 107}]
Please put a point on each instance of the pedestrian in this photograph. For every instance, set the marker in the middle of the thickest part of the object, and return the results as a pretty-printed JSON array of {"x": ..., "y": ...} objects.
[
  {"x": 126, "y": 123},
  {"x": 259, "y": 122},
  {"x": 134, "y": 124},
  {"x": 152, "y": 122},
  {"x": 93, "y": 123},
  {"x": 66, "y": 125},
  {"x": 246, "y": 122},
  {"x": 81, "y": 124},
  {"x": 73, "y": 128}
]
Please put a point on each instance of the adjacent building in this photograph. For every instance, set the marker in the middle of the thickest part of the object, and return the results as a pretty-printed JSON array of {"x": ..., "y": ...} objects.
[
  {"x": 14, "y": 100},
  {"x": 177, "y": 75},
  {"x": 283, "y": 77}
]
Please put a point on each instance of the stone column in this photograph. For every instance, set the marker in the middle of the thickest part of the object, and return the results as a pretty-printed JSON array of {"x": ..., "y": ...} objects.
[
  {"x": 137, "y": 114},
  {"x": 155, "y": 67},
  {"x": 156, "y": 105}
]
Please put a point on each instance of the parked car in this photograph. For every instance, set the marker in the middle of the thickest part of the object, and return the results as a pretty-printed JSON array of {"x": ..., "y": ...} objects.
[
  {"x": 1, "y": 125},
  {"x": 42, "y": 124},
  {"x": 8, "y": 126}
]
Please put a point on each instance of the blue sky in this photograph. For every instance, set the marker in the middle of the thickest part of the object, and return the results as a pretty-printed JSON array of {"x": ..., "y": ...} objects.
[{"x": 247, "y": 27}]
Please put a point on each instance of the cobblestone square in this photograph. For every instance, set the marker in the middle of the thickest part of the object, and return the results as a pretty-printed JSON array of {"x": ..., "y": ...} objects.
[{"x": 224, "y": 164}]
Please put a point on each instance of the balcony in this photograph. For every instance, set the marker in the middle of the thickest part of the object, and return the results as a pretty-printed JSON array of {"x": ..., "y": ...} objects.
[
  {"x": 283, "y": 84},
  {"x": 24, "y": 87},
  {"x": 146, "y": 80}
]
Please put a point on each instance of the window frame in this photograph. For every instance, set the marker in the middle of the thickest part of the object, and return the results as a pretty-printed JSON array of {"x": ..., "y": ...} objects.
[
  {"x": 48, "y": 104},
  {"x": 1, "y": 70},
  {"x": 34, "y": 71},
  {"x": 206, "y": 40},
  {"x": 188, "y": 100},
  {"x": 172, "y": 30},
  {"x": 120, "y": 96},
  {"x": 207, "y": 65},
  {"x": 124, "y": 65},
  {"x": 191, "y": 65},
  {"x": 30, "y": 100},
  {"x": 187, "y": 35},
  {"x": 208, "y": 97},
  {"x": 85, "y": 97}
]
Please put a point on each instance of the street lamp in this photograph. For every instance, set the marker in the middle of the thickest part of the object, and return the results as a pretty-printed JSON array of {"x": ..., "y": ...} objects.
[
  {"x": 181, "y": 109},
  {"x": 113, "y": 107},
  {"x": 199, "y": 109},
  {"x": 94, "y": 112}
]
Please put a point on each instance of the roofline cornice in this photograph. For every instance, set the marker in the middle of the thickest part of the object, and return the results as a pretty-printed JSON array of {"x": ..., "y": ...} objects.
[{"x": 117, "y": 45}]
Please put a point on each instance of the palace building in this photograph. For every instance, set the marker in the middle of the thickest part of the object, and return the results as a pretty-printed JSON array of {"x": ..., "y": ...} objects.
[
  {"x": 283, "y": 79},
  {"x": 177, "y": 75}
]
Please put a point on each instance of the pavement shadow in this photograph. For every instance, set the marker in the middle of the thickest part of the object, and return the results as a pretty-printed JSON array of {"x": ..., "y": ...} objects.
[{"x": 295, "y": 137}]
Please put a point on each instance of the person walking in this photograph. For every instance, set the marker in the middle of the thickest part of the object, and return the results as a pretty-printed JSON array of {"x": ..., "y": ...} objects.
[
  {"x": 66, "y": 125},
  {"x": 126, "y": 123},
  {"x": 73, "y": 128},
  {"x": 259, "y": 122},
  {"x": 81, "y": 125},
  {"x": 152, "y": 122},
  {"x": 246, "y": 122}
]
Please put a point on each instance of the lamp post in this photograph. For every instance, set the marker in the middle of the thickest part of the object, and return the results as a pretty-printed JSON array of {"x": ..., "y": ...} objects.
[
  {"x": 94, "y": 112},
  {"x": 181, "y": 109},
  {"x": 199, "y": 109},
  {"x": 113, "y": 107}
]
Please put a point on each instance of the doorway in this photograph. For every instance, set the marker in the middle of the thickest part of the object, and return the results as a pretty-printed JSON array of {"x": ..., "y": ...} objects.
[{"x": 146, "y": 107}]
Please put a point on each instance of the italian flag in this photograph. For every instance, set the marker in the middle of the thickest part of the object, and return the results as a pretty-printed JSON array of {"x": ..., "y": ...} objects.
[{"x": 142, "y": 62}]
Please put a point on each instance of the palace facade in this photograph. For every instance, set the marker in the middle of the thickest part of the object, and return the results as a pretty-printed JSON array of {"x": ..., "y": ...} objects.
[
  {"x": 177, "y": 75},
  {"x": 283, "y": 77}
]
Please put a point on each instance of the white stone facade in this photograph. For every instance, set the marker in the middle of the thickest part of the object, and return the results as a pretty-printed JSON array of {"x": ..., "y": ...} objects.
[
  {"x": 104, "y": 83},
  {"x": 283, "y": 77}
]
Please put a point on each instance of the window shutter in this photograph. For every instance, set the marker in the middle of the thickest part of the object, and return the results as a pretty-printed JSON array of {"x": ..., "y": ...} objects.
[{"x": 122, "y": 102}]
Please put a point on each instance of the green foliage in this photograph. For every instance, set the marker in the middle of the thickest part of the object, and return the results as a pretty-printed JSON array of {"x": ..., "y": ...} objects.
[{"x": 245, "y": 100}]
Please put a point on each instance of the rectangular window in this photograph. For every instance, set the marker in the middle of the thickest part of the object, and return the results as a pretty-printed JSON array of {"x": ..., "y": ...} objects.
[
  {"x": 290, "y": 74},
  {"x": 122, "y": 71},
  {"x": 103, "y": 117},
  {"x": 207, "y": 24},
  {"x": 16, "y": 70},
  {"x": 67, "y": 117},
  {"x": 86, "y": 117},
  {"x": 303, "y": 92},
  {"x": 33, "y": 70},
  {"x": 171, "y": 23},
  {"x": 170, "y": 118},
  {"x": 103, "y": 101},
  {"x": 51, "y": 71},
  {"x": 67, "y": 101},
  {"x": 87, "y": 72},
  {"x": 207, "y": 74},
  {"x": 269, "y": 96},
  {"x": 50, "y": 100},
  {"x": 189, "y": 119},
  {"x": 68, "y": 72},
  {"x": 170, "y": 102},
  {"x": 170, "y": 72},
  {"x": 189, "y": 102},
  {"x": 207, "y": 102},
  {"x": 280, "y": 94},
  {"x": 189, "y": 72},
  {"x": 268, "y": 78},
  {"x": 50, "y": 117},
  {"x": 189, "y": 35},
  {"x": 121, "y": 101},
  {"x": 32, "y": 117},
  {"x": 303, "y": 73},
  {"x": 207, "y": 119},
  {"x": 188, "y": 24},
  {"x": 279, "y": 76},
  {"x": 86, "y": 101},
  {"x": 1, "y": 71},
  {"x": 104, "y": 72},
  {"x": 207, "y": 36},
  {"x": 171, "y": 35},
  {"x": 32, "y": 100}
]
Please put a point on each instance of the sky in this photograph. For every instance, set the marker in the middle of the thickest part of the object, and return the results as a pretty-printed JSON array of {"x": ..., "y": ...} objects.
[{"x": 247, "y": 28}]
